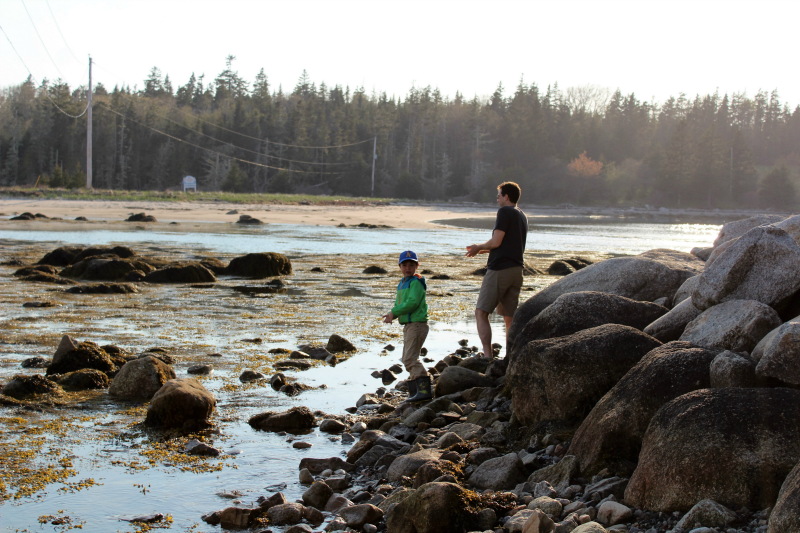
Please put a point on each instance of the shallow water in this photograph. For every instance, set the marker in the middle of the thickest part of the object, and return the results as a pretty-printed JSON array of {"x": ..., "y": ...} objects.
[{"x": 104, "y": 439}]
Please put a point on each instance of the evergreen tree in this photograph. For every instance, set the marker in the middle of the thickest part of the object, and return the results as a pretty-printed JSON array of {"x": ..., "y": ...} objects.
[{"x": 776, "y": 189}]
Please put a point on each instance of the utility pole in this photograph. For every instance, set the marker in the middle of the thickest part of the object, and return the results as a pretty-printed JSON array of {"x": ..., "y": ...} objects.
[
  {"x": 89, "y": 131},
  {"x": 374, "y": 157}
]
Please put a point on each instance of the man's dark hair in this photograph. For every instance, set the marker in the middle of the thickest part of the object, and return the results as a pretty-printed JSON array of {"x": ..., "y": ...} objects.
[{"x": 510, "y": 189}]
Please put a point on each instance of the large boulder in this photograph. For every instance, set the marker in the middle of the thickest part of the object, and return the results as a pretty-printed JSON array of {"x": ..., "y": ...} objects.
[
  {"x": 778, "y": 354},
  {"x": 24, "y": 387},
  {"x": 730, "y": 369},
  {"x": 736, "y": 325},
  {"x": 432, "y": 508},
  {"x": 581, "y": 310},
  {"x": 501, "y": 473},
  {"x": 785, "y": 517},
  {"x": 737, "y": 228},
  {"x": 407, "y": 465},
  {"x": 182, "y": 273},
  {"x": 299, "y": 417},
  {"x": 671, "y": 326},
  {"x": 562, "y": 379},
  {"x": 645, "y": 277},
  {"x": 85, "y": 355},
  {"x": 685, "y": 291},
  {"x": 457, "y": 378},
  {"x": 141, "y": 379},
  {"x": 732, "y": 445},
  {"x": 611, "y": 436},
  {"x": 760, "y": 265},
  {"x": 259, "y": 265},
  {"x": 181, "y": 403}
]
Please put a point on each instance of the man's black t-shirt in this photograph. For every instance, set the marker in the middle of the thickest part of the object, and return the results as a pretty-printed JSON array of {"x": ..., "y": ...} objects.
[{"x": 514, "y": 223}]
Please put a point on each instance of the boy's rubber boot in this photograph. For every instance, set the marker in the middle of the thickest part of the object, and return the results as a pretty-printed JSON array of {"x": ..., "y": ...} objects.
[
  {"x": 412, "y": 388},
  {"x": 424, "y": 392}
]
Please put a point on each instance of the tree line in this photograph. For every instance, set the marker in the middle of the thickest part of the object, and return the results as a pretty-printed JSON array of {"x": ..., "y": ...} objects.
[{"x": 583, "y": 145}]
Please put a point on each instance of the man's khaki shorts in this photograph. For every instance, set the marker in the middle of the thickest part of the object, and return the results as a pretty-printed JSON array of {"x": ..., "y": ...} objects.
[{"x": 500, "y": 289}]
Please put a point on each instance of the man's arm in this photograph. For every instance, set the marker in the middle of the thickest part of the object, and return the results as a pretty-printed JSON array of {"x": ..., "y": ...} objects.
[{"x": 491, "y": 244}]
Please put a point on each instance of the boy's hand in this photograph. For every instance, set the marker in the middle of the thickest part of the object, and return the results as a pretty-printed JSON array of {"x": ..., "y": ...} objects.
[{"x": 387, "y": 318}]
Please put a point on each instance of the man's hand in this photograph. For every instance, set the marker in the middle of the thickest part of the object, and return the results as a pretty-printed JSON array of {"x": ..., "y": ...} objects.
[
  {"x": 473, "y": 250},
  {"x": 485, "y": 248},
  {"x": 387, "y": 318}
]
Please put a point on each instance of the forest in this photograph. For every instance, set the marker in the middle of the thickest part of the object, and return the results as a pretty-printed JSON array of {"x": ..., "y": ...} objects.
[{"x": 581, "y": 145}]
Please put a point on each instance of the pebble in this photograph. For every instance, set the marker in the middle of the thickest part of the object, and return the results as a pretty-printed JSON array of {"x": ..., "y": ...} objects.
[{"x": 389, "y": 347}]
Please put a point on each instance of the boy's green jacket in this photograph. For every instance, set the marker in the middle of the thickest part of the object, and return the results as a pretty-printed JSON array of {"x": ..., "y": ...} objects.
[{"x": 410, "y": 305}]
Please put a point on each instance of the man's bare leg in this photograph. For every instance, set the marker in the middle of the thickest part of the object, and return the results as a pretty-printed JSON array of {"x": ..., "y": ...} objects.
[{"x": 484, "y": 332}]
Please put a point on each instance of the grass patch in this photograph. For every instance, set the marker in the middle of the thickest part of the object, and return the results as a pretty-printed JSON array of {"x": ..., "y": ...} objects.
[{"x": 199, "y": 197}]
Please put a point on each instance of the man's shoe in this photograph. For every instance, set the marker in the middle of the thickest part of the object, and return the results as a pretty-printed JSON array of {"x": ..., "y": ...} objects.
[{"x": 424, "y": 392}]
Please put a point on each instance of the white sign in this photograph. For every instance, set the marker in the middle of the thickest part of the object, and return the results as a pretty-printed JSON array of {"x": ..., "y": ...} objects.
[{"x": 189, "y": 182}]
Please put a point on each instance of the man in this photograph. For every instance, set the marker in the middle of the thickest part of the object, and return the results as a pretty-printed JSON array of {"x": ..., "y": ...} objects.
[{"x": 503, "y": 279}]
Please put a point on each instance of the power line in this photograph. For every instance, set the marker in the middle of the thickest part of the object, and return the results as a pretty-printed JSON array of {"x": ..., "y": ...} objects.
[
  {"x": 271, "y": 142},
  {"x": 208, "y": 149},
  {"x": 59, "y": 31},
  {"x": 245, "y": 149},
  {"x": 34, "y": 77},
  {"x": 41, "y": 40}
]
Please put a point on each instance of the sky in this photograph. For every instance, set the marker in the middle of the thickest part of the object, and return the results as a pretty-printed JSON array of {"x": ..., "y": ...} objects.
[{"x": 654, "y": 49}]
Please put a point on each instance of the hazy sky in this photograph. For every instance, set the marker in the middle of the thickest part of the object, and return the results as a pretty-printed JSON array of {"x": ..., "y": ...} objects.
[{"x": 651, "y": 48}]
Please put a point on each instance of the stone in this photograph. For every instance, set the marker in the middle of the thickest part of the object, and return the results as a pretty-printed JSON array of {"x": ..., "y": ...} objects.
[
  {"x": 538, "y": 522},
  {"x": 204, "y": 369},
  {"x": 104, "y": 288},
  {"x": 737, "y": 228},
  {"x": 778, "y": 354},
  {"x": 730, "y": 369},
  {"x": 576, "y": 311},
  {"x": 315, "y": 466},
  {"x": 337, "y": 483},
  {"x": 559, "y": 475},
  {"x": 612, "y": 513},
  {"x": 22, "y": 387},
  {"x": 85, "y": 355},
  {"x": 467, "y": 431},
  {"x": 181, "y": 273},
  {"x": 483, "y": 419},
  {"x": 428, "y": 472},
  {"x": 736, "y": 325},
  {"x": 422, "y": 414},
  {"x": 448, "y": 439},
  {"x": 251, "y": 375},
  {"x": 760, "y": 265},
  {"x": 432, "y": 508},
  {"x": 317, "y": 495},
  {"x": 141, "y": 217},
  {"x": 371, "y": 456},
  {"x": 374, "y": 269},
  {"x": 105, "y": 269},
  {"x": 517, "y": 522},
  {"x": 299, "y": 417},
  {"x": 86, "y": 379},
  {"x": 646, "y": 277},
  {"x": 305, "y": 477},
  {"x": 486, "y": 519},
  {"x": 612, "y": 433},
  {"x": 561, "y": 379},
  {"x": 299, "y": 528},
  {"x": 301, "y": 445},
  {"x": 35, "y": 362},
  {"x": 716, "y": 252},
  {"x": 543, "y": 488},
  {"x": 337, "y": 502},
  {"x": 407, "y": 465},
  {"x": 785, "y": 517},
  {"x": 338, "y": 344},
  {"x": 238, "y": 517},
  {"x": 589, "y": 527},
  {"x": 180, "y": 403},
  {"x": 671, "y": 326},
  {"x": 456, "y": 379},
  {"x": 479, "y": 456},
  {"x": 276, "y": 499},
  {"x": 286, "y": 514},
  {"x": 707, "y": 513},
  {"x": 501, "y": 473},
  {"x": 141, "y": 379},
  {"x": 548, "y": 505},
  {"x": 724, "y": 444},
  {"x": 330, "y": 425},
  {"x": 612, "y": 486},
  {"x": 60, "y": 256},
  {"x": 357, "y": 515},
  {"x": 259, "y": 265},
  {"x": 685, "y": 291}
]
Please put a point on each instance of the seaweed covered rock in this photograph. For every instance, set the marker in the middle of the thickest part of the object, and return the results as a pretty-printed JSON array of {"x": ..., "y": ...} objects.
[
  {"x": 181, "y": 273},
  {"x": 104, "y": 288},
  {"x": 86, "y": 379},
  {"x": 60, "y": 257},
  {"x": 86, "y": 355},
  {"x": 338, "y": 344},
  {"x": 732, "y": 445},
  {"x": 299, "y": 417},
  {"x": 432, "y": 508},
  {"x": 24, "y": 387},
  {"x": 611, "y": 436},
  {"x": 576, "y": 311},
  {"x": 259, "y": 265},
  {"x": 141, "y": 379},
  {"x": 181, "y": 403},
  {"x": 646, "y": 277},
  {"x": 104, "y": 269},
  {"x": 562, "y": 379},
  {"x": 141, "y": 217}
]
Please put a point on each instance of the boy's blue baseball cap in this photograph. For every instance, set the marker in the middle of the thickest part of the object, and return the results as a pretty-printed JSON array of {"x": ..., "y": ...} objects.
[{"x": 408, "y": 255}]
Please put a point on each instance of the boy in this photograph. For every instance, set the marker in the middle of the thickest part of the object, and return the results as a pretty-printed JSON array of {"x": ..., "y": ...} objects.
[{"x": 412, "y": 311}]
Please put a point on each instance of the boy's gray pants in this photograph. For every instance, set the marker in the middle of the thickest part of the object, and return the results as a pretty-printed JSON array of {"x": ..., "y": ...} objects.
[{"x": 414, "y": 335}]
